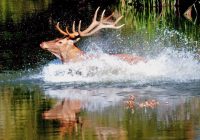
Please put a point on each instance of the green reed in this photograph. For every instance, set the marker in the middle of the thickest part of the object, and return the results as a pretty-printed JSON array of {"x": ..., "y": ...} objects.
[{"x": 149, "y": 17}]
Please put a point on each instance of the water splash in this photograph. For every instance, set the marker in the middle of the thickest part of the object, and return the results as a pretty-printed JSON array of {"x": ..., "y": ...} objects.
[{"x": 169, "y": 65}]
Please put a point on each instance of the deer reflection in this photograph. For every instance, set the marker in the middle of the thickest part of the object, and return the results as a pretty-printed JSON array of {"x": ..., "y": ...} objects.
[{"x": 67, "y": 112}]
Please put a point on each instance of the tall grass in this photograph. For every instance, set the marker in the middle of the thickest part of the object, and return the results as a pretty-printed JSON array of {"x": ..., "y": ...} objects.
[{"x": 149, "y": 17}]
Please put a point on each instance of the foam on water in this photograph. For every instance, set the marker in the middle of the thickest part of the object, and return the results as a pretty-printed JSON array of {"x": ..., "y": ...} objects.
[{"x": 168, "y": 65}]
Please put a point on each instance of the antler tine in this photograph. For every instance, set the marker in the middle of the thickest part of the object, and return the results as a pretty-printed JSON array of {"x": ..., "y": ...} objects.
[
  {"x": 60, "y": 30},
  {"x": 102, "y": 16},
  {"x": 118, "y": 20},
  {"x": 107, "y": 18},
  {"x": 67, "y": 30},
  {"x": 79, "y": 27},
  {"x": 73, "y": 27},
  {"x": 95, "y": 15},
  {"x": 92, "y": 25},
  {"x": 118, "y": 27}
]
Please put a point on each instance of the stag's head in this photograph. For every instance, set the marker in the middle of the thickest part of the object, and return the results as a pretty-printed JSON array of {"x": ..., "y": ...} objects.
[
  {"x": 60, "y": 47},
  {"x": 65, "y": 49}
]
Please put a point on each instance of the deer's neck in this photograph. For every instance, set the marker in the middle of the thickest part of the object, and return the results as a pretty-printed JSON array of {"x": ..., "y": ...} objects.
[{"x": 72, "y": 55}]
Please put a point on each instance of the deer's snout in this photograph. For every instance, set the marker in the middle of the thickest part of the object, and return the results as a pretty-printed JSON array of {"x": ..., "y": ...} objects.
[{"x": 43, "y": 46}]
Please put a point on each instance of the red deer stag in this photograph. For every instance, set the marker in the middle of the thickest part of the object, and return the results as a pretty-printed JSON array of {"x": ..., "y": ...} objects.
[{"x": 66, "y": 50}]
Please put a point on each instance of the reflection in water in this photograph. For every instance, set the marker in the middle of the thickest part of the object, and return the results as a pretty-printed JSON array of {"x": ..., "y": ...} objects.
[
  {"x": 174, "y": 114},
  {"x": 103, "y": 112},
  {"x": 67, "y": 113}
]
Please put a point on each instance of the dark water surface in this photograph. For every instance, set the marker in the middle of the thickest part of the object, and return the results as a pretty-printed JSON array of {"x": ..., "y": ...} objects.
[{"x": 103, "y": 98}]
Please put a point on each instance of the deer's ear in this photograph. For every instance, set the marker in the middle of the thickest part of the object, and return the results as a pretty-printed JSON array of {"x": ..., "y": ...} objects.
[{"x": 76, "y": 40}]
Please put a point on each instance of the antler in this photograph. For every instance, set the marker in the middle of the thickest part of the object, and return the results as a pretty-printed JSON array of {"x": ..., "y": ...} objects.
[
  {"x": 97, "y": 25},
  {"x": 94, "y": 26}
]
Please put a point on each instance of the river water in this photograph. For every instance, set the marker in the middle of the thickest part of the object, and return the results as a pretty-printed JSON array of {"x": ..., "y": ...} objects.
[{"x": 102, "y": 98}]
